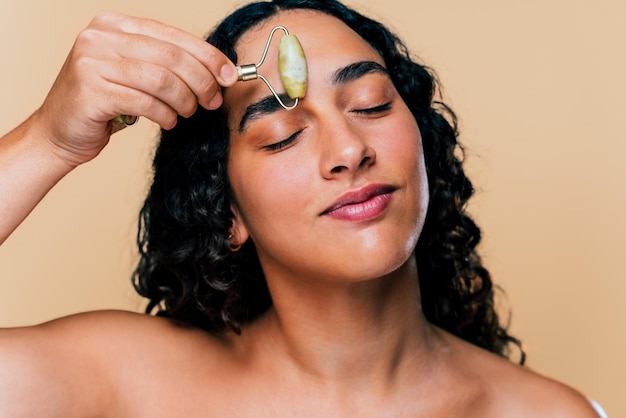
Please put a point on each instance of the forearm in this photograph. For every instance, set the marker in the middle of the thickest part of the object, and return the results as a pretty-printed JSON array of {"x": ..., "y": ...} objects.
[{"x": 28, "y": 170}]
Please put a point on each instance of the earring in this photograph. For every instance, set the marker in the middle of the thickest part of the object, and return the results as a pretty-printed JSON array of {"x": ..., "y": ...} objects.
[{"x": 231, "y": 247}]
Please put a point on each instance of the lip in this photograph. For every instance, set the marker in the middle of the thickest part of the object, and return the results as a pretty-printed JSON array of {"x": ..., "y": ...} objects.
[{"x": 360, "y": 205}]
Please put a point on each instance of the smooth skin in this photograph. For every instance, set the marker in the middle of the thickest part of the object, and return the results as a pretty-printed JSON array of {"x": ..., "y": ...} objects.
[{"x": 346, "y": 336}]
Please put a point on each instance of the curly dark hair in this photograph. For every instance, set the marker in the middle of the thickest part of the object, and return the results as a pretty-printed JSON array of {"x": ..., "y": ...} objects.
[{"x": 187, "y": 270}]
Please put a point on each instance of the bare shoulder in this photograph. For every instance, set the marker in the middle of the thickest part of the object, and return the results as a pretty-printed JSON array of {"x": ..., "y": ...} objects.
[
  {"x": 535, "y": 395},
  {"x": 70, "y": 364},
  {"x": 104, "y": 331},
  {"x": 517, "y": 391}
]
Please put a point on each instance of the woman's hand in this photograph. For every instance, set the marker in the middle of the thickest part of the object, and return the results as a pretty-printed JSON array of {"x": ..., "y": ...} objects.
[
  {"x": 122, "y": 65},
  {"x": 119, "y": 65}
]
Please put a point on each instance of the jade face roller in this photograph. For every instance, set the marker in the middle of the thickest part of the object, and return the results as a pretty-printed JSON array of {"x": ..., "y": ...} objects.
[{"x": 291, "y": 67}]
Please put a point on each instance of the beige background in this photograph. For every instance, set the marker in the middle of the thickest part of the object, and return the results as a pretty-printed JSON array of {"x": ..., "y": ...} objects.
[{"x": 540, "y": 91}]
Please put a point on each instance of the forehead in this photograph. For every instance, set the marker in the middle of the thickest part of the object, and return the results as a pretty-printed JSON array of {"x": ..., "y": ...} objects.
[
  {"x": 327, "y": 42},
  {"x": 314, "y": 29}
]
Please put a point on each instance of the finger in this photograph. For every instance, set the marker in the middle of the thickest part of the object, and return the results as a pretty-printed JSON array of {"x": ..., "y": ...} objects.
[
  {"x": 169, "y": 60},
  {"x": 109, "y": 88},
  {"x": 128, "y": 101},
  {"x": 218, "y": 64},
  {"x": 153, "y": 80},
  {"x": 118, "y": 99}
]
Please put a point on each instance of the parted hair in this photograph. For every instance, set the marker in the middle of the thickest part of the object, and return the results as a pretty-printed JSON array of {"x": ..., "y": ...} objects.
[{"x": 186, "y": 268}]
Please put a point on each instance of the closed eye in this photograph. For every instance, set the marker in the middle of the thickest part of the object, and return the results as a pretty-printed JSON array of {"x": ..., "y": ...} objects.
[
  {"x": 374, "y": 110},
  {"x": 284, "y": 143}
]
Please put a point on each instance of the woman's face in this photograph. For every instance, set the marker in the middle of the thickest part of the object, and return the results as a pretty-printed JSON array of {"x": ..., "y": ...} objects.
[{"x": 335, "y": 188}]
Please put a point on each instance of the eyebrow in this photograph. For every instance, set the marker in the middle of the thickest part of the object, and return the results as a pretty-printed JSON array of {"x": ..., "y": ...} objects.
[
  {"x": 268, "y": 104},
  {"x": 356, "y": 70},
  {"x": 265, "y": 106}
]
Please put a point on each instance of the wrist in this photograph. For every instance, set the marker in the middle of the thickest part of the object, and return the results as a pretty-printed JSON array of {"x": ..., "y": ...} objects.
[
  {"x": 51, "y": 138},
  {"x": 37, "y": 141}
]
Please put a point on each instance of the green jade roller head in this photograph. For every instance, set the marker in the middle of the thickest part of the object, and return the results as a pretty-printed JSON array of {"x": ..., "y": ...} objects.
[{"x": 291, "y": 67}]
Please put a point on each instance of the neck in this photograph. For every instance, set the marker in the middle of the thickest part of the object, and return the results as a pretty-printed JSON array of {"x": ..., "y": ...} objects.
[{"x": 365, "y": 331}]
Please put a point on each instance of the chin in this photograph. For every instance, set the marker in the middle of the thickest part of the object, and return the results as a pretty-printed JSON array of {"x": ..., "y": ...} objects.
[
  {"x": 379, "y": 265},
  {"x": 377, "y": 257}
]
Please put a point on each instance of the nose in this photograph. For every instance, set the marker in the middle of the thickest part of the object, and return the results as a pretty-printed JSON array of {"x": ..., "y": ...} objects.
[{"x": 345, "y": 150}]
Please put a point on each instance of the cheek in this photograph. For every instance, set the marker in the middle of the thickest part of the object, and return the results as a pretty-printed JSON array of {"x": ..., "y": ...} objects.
[
  {"x": 270, "y": 189},
  {"x": 406, "y": 153},
  {"x": 403, "y": 144}
]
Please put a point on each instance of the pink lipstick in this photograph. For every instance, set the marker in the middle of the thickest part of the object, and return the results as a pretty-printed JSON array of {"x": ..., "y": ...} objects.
[{"x": 361, "y": 205}]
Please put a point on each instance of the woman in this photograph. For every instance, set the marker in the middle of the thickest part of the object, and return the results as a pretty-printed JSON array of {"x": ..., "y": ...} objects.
[{"x": 322, "y": 254}]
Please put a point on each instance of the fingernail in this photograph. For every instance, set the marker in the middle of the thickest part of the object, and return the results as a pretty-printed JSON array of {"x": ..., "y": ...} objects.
[
  {"x": 216, "y": 101},
  {"x": 227, "y": 72}
]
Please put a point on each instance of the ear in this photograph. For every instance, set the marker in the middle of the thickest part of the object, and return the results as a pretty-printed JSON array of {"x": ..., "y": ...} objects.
[{"x": 238, "y": 231}]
